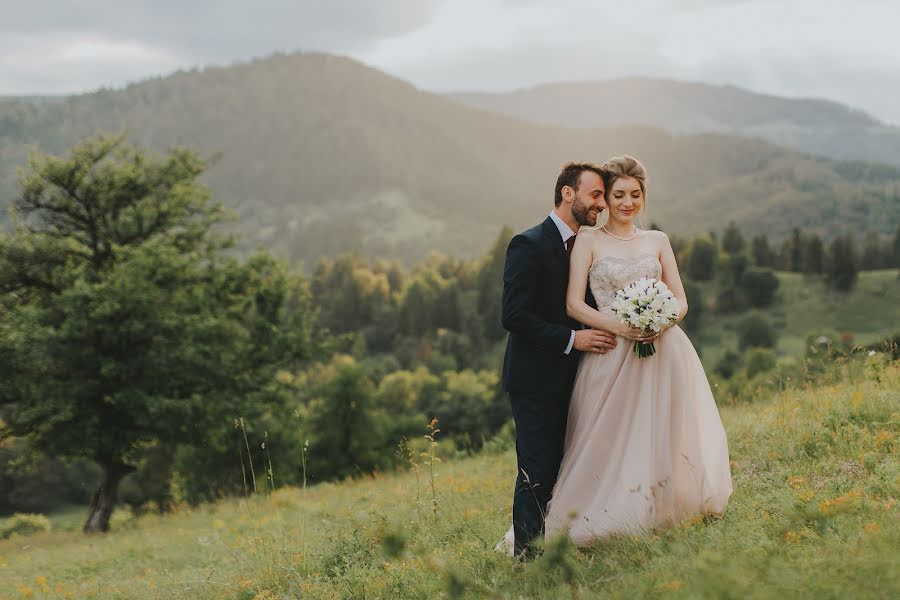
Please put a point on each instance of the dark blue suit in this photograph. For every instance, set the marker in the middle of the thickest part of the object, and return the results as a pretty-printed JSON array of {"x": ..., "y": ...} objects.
[{"x": 536, "y": 371}]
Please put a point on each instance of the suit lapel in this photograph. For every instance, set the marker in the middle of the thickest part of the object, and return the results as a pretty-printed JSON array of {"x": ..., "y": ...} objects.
[{"x": 551, "y": 234}]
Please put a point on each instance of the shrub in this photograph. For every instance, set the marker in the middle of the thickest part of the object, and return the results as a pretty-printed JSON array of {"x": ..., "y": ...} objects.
[
  {"x": 759, "y": 286},
  {"x": 24, "y": 524},
  {"x": 759, "y": 360},
  {"x": 728, "y": 364},
  {"x": 755, "y": 332}
]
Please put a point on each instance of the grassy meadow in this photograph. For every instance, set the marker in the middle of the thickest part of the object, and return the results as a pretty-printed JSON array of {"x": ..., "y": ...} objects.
[
  {"x": 814, "y": 514},
  {"x": 869, "y": 312}
]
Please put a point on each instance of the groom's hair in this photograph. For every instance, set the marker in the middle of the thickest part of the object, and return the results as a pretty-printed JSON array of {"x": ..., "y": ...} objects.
[{"x": 570, "y": 175}]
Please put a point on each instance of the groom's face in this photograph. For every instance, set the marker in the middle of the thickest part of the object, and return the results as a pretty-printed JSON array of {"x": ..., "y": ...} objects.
[{"x": 589, "y": 199}]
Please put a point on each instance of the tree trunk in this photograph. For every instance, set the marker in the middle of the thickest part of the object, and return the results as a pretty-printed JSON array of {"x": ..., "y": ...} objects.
[{"x": 104, "y": 500}]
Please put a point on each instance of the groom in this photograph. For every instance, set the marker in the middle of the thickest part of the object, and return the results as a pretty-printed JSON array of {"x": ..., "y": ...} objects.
[{"x": 544, "y": 343}]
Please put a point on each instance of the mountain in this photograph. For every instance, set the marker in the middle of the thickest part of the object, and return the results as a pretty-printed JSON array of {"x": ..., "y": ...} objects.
[
  {"x": 322, "y": 155},
  {"x": 813, "y": 126}
]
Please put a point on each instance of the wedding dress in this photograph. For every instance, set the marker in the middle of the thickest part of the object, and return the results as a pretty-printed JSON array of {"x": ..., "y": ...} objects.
[{"x": 645, "y": 446}]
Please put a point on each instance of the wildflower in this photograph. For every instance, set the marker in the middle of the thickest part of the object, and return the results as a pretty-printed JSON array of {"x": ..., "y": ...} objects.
[
  {"x": 847, "y": 501},
  {"x": 245, "y": 583},
  {"x": 674, "y": 585},
  {"x": 793, "y": 537},
  {"x": 871, "y": 527},
  {"x": 25, "y": 591},
  {"x": 883, "y": 438},
  {"x": 795, "y": 481}
]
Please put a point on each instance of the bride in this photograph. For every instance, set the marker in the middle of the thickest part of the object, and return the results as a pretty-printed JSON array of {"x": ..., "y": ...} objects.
[{"x": 644, "y": 443}]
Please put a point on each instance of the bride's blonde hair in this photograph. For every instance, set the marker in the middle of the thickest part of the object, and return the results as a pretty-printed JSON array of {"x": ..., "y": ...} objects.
[{"x": 626, "y": 166}]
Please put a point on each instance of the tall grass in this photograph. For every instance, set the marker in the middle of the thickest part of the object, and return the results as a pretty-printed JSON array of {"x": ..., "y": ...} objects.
[{"x": 814, "y": 515}]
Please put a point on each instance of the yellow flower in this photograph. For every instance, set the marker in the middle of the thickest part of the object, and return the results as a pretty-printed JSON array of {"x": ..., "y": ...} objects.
[
  {"x": 872, "y": 527},
  {"x": 847, "y": 501},
  {"x": 25, "y": 591},
  {"x": 883, "y": 438},
  {"x": 674, "y": 585},
  {"x": 41, "y": 581},
  {"x": 793, "y": 537}
]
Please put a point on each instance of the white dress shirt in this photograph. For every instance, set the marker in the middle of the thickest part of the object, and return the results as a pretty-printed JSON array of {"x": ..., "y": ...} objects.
[{"x": 565, "y": 232}]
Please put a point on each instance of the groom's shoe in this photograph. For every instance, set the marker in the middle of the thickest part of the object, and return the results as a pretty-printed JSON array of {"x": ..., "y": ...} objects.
[{"x": 527, "y": 554}]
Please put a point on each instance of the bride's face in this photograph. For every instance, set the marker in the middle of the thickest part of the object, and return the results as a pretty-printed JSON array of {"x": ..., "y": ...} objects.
[{"x": 625, "y": 200}]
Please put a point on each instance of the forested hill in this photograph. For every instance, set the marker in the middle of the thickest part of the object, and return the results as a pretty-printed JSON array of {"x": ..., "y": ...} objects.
[
  {"x": 818, "y": 127},
  {"x": 321, "y": 155}
]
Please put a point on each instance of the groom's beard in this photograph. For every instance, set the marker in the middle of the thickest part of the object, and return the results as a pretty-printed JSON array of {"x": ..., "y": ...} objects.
[{"x": 583, "y": 215}]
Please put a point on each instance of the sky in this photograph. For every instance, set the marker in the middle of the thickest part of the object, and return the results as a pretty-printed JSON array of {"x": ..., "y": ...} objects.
[{"x": 842, "y": 51}]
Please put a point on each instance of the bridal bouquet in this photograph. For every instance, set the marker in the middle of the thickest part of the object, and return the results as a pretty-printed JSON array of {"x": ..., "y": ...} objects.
[{"x": 646, "y": 304}]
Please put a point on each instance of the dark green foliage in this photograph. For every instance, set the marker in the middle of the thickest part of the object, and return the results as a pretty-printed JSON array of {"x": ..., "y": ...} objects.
[
  {"x": 732, "y": 240},
  {"x": 347, "y": 434},
  {"x": 759, "y": 286},
  {"x": 843, "y": 264},
  {"x": 759, "y": 360},
  {"x": 702, "y": 260},
  {"x": 875, "y": 254},
  {"x": 815, "y": 255},
  {"x": 754, "y": 331},
  {"x": 124, "y": 320},
  {"x": 895, "y": 250},
  {"x": 693, "y": 320},
  {"x": 762, "y": 252},
  {"x": 728, "y": 364}
]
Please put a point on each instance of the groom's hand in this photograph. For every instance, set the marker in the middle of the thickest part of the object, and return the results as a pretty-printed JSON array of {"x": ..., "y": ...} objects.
[{"x": 594, "y": 340}]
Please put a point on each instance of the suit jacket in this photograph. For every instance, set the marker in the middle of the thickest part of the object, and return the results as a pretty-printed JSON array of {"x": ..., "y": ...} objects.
[{"x": 535, "y": 278}]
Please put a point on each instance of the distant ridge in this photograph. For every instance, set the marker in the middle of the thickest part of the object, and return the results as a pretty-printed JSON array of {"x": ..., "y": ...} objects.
[
  {"x": 814, "y": 126},
  {"x": 323, "y": 155}
]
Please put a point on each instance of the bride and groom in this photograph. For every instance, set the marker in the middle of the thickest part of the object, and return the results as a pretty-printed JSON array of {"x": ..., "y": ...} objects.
[{"x": 620, "y": 442}]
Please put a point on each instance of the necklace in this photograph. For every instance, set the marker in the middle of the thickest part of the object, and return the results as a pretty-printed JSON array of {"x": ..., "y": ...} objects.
[{"x": 624, "y": 239}]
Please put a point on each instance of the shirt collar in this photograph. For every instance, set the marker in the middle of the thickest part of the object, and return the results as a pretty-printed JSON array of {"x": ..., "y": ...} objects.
[{"x": 564, "y": 230}]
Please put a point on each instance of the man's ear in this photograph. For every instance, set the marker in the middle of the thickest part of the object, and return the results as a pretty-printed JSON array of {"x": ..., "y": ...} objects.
[{"x": 567, "y": 193}]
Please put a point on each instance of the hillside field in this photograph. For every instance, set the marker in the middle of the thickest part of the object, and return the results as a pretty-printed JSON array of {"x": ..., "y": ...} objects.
[
  {"x": 814, "y": 515},
  {"x": 803, "y": 306}
]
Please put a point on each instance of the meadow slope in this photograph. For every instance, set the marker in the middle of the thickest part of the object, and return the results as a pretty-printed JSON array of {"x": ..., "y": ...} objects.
[{"x": 814, "y": 514}]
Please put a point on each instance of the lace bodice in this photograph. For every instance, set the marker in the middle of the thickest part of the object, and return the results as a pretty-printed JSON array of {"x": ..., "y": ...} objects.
[{"x": 610, "y": 274}]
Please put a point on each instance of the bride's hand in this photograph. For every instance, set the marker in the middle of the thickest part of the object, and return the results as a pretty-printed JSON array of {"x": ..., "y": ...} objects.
[{"x": 637, "y": 335}]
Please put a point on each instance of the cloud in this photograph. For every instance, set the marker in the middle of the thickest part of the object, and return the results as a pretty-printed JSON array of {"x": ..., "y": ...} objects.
[
  {"x": 60, "y": 46},
  {"x": 800, "y": 48},
  {"x": 826, "y": 48}
]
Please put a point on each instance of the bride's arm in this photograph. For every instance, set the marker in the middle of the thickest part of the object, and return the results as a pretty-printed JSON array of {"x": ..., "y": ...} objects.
[
  {"x": 670, "y": 275},
  {"x": 576, "y": 307}
]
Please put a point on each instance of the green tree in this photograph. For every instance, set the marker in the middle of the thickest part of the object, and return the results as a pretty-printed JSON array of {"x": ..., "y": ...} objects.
[
  {"x": 759, "y": 360},
  {"x": 873, "y": 256},
  {"x": 349, "y": 435},
  {"x": 814, "y": 256},
  {"x": 732, "y": 240},
  {"x": 693, "y": 320},
  {"x": 702, "y": 260},
  {"x": 762, "y": 252},
  {"x": 759, "y": 286},
  {"x": 469, "y": 406},
  {"x": 895, "y": 250},
  {"x": 754, "y": 331},
  {"x": 122, "y": 321},
  {"x": 489, "y": 286},
  {"x": 796, "y": 247},
  {"x": 843, "y": 264}
]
